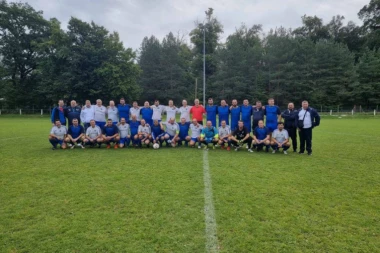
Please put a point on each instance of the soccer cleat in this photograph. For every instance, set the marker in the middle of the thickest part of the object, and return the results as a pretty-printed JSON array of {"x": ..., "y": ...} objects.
[
  {"x": 301, "y": 153},
  {"x": 72, "y": 146},
  {"x": 217, "y": 145},
  {"x": 285, "y": 153},
  {"x": 199, "y": 147},
  {"x": 309, "y": 153},
  {"x": 205, "y": 147},
  {"x": 237, "y": 148},
  {"x": 213, "y": 147},
  {"x": 81, "y": 146},
  {"x": 274, "y": 151},
  {"x": 108, "y": 146},
  {"x": 53, "y": 148},
  {"x": 250, "y": 150},
  {"x": 228, "y": 148},
  {"x": 116, "y": 146}
]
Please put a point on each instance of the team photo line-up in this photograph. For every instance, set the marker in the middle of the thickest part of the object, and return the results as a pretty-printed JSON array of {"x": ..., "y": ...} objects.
[{"x": 124, "y": 125}]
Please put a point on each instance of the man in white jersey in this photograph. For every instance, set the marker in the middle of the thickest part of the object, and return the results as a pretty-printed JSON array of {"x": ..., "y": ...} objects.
[
  {"x": 224, "y": 135},
  {"x": 172, "y": 131},
  {"x": 93, "y": 135},
  {"x": 170, "y": 110},
  {"x": 157, "y": 111},
  {"x": 143, "y": 135},
  {"x": 135, "y": 110},
  {"x": 87, "y": 114},
  {"x": 185, "y": 111},
  {"x": 280, "y": 139},
  {"x": 113, "y": 113},
  {"x": 100, "y": 114},
  {"x": 125, "y": 134},
  {"x": 57, "y": 135},
  {"x": 196, "y": 130}
]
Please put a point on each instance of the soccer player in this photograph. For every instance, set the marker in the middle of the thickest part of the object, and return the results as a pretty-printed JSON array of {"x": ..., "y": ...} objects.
[
  {"x": 58, "y": 113},
  {"x": 246, "y": 113},
  {"x": 291, "y": 118},
  {"x": 183, "y": 135},
  {"x": 87, "y": 114},
  {"x": 113, "y": 113},
  {"x": 185, "y": 111},
  {"x": 170, "y": 110},
  {"x": 147, "y": 113},
  {"x": 100, "y": 114},
  {"x": 93, "y": 135},
  {"x": 143, "y": 135},
  {"x": 241, "y": 136},
  {"x": 272, "y": 114},
  {"x": 157, "y": 110},
  {"x": 235, "y": 114},
  {"x": 135, "y": 110},
  {"x": 134, "y": 126},
  {"x": 111, "y": 134},
  {"x": 124, "y": 132},
  {"x": 196, "y": 130},
  {"x": 308, "y": 118},
  {"x": 172, "y": 131},
  {"x": 198, "y": 111},
  {"x": 123, "y": 109},
  {"x": 57, "y": 135},
  {"x": 261, "y": 137},
  {"x": 209, "y": 135},
  {"x": 211, "y": 111},
  {"x": 258, "y": 114},
  {"x": 75, "y": 135},
  {"x": 224, "y": 135},
  {"x": 280, "y": 139},
  {"x": 158, "y": 133},
  {"x": 224, "y": 112},
  {"x": 73, "y": 112}
]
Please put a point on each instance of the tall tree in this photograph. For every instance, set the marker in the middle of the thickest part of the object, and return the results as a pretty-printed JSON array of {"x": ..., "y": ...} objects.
[{"x": 370, "y": 14}]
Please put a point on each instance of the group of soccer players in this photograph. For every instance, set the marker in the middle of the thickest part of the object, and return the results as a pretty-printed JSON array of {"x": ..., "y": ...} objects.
[{"x": 124, "y": 125}]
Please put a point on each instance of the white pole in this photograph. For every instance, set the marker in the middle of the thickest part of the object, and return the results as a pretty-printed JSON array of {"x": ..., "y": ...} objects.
[
  {"x": 352, "y": 112},
  {"x": 20, "y": 112},
  {"x": 374, "y": 112},
  {"x": 42, "y": 112},
  {"x": 330, "y": 112}
]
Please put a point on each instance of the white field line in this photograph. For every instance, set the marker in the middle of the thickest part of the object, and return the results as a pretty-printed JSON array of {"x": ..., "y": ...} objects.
[{"x": 211, "y": 235}]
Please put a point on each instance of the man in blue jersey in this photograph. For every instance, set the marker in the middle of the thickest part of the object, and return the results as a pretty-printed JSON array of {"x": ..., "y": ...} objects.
[
  {"x": 261, "y": 137},
  {"x": 183, "y": 135},
  {"x": 246, "y": 113},
  {"x": 258, "y": 114},
  {"x": 58, "y": 113},
  {"x": 134, "y": 127},
  {"x": 75, "y": 135},
  {"x": 272, "y": 115},
  {"x": 147, "y": 113},
  {"x": 224, "y": 112},
  {"x": 57, "y": 135},
  {"x": 158, "y": 133},
  {"x": 211, "y": 111},
  {"x": 123, "y": 109},
  {"x": 235, "y": 114},
  {"x": 209, "y": 135},
  {"x": 73, "y": 112},
  {"x": 111, "y": 134}
]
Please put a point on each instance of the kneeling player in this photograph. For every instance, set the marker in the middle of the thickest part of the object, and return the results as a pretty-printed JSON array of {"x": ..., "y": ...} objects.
[
  {"x": 93, "y": 135},
  {"x": 209, "y": 135},
  {"x": 196, "y": 130},
  {"x": 224, "y": 135},
  {"x": 111, "y": 134},
  {"x": 157, "y": 133},
  {"x": 261, "y": 137},
  {"x": 280, "y": 139},
  {"x": 124, "y": 131},
  {"x": 241, "y": 136},
  {"x": 57, "y": 135},
  {"x": 143, "y": 135},
  {"x": 75, "y": 135},
  {"x": 172, "y": 131},
  {"x": 183, "y": 135}
]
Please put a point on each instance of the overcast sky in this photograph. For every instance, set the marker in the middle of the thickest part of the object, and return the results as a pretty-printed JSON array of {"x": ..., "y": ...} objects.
[{"x": 135, "y": 19}]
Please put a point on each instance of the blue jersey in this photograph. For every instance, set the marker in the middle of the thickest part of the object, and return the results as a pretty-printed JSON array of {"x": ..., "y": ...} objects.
[
  {"x": 209, "y": 132},
  {"x": 146, "y": 114},
  {"x": 123, "y": 111},
  {"x": 224, "y": 114},
  {"x": 235, "y": 117},
  {"x": 134, "y": 126},
  {"x": 183, "y": 129},
  {"x": 75, "y": 131},
  {"x": 261, "y": 133},
  {"x": 110, "y": 130},
  {"x": 156, "y": 130},
  {"x": 58, "y": 113},
  {"x": 258, "y": 114},
  {"x": 212, "y": 110},
  {"x": 271, "y": 113},
  {"x": 73, "y": 113},
  {"x": 246, "y": 112}
]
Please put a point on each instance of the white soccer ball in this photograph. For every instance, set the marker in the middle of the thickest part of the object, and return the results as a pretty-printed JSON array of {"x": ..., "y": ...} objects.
[{"x": 156, "y": 146}]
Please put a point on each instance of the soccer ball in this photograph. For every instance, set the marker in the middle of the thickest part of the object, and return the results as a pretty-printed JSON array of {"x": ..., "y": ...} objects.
[{"x": 156, "y": 146}]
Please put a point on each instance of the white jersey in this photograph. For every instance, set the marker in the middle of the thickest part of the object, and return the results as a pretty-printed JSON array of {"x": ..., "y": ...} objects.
[
  {"x": 124, "y": 130},
  {"x": 196, "y": 130},
  {"x": 157, "y": 112},
  {"x": 93, "y": 132},
  {"x": 87, "y": 114},
  {"x": 224, "y": 131},
  {"x": 113, "y": 113},
  {"x": 100, "y": 113},
  {"x": 135, "y": 111},
  {"x": 59, "y": 131},
  {"x": 280, "y": 136},
  {"x": 170, "y": 112},
  {"x": 144, "y": 129},
  {"x": 171, "y": 129},
  {"x": 185, "y": 112}
]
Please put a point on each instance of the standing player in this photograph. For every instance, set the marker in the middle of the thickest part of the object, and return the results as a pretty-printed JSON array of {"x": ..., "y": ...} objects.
[
  {"x": 147, "y": 113},
  {"x": 93, "y": 135},
  {"x": 73, "y": 112},
  {"x": 224, "y": 135},
  {"x": 280, "y": 139},
  {"x": 196, "y": 130},
  {"x": 113, "y": 113},
  {"x": 158, "y": 133},
  {"x": 172, "y": 131},
  {"x": 87, "y": 114},
  {"x": 291, "y": 118},
  {"x": 57, "y": 135},
  {"x": 273, "y": 115},
  {"x": 75, "y": 135},
  {"x": 198, "y": 111},
  {"x": 211, "y": 111},
  {"x": 111, "y": 134},
  {"x": 58, "y": 113},
  {"x": 235, "y": 114},
  {"x": 157, "y": 110},
  {"x": 308, "y": 118},
  {"x": 261, "y": 137},
  {"x": 170, "y": 110},
  {"x": 124, "y": 132},
  {"x": 241, "y": 136},
  {"x": 143, "y": 135},
  {"x": 135, "y": 110},
  {"x": 123, "y": 109},
  {"x": 100, "y": 114},
  {"x": 183, "y": 132},
  {"x": 209, "y": 135},
  {"x": 185, "y": 111},
  {"x": 246, "y": 113},
  {"x": 224, "y": 112},
  {"x": 134, "y": 126},
  {"x": 258, "y": 114}
]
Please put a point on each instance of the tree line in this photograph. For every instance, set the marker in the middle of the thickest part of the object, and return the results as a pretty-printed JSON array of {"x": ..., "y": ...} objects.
[{"x": 326, "y": 63}]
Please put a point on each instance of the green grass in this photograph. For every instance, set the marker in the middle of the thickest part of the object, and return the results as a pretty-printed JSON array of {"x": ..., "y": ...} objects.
[{"x": 153, "y": 200}]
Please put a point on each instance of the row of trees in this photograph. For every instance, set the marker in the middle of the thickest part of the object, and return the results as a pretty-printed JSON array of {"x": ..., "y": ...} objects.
[{"x": 328, "y": 64}]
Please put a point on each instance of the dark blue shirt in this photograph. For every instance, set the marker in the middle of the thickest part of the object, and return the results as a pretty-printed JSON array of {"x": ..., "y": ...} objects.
[
  {"x": 183, "y": 129},
  {"x": 261, "y": 133},
  {"x": 134, "y": 126},
  {"x": 258, "y": 113},
  {"x": 212, "y": 110},
  {"x": 146, "y": 114},
  {"x": 58, "y": 113},
  {"x": 73, "y": 113},
  {"x": 123, "y": 111},
  {"x": 75, "y": 131},
  {"x": 110, "y": 130},
  {"x": 224, "y": 113},
  {"x": 156, "y": 130}
]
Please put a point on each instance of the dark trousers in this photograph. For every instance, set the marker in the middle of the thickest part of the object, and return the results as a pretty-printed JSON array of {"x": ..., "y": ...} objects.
[
  {"x": 292, "y": 131},
  {"x": 86, "y": 125},
  {"x": 305, "y": 138},
  {"x": 248, "y": 141}
]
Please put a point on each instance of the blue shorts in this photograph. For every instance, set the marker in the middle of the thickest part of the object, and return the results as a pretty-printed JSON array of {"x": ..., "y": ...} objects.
[
  {"x": 208, "y": 140},
  {"x": 100, "y": 124},
  {"x": 182, "y": 138},
  {"x": 271, "y": 127},
  {"x": 158, "y": 136},
  {"x": 194, "y": 139},
  {"x": 56, "y": 141},
  {"x": 124, "y": 140},
  {"x": 170, "y": 136}
]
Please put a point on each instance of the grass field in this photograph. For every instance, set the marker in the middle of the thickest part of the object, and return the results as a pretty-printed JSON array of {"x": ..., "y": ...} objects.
[{"x": 127, "y": 200}]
